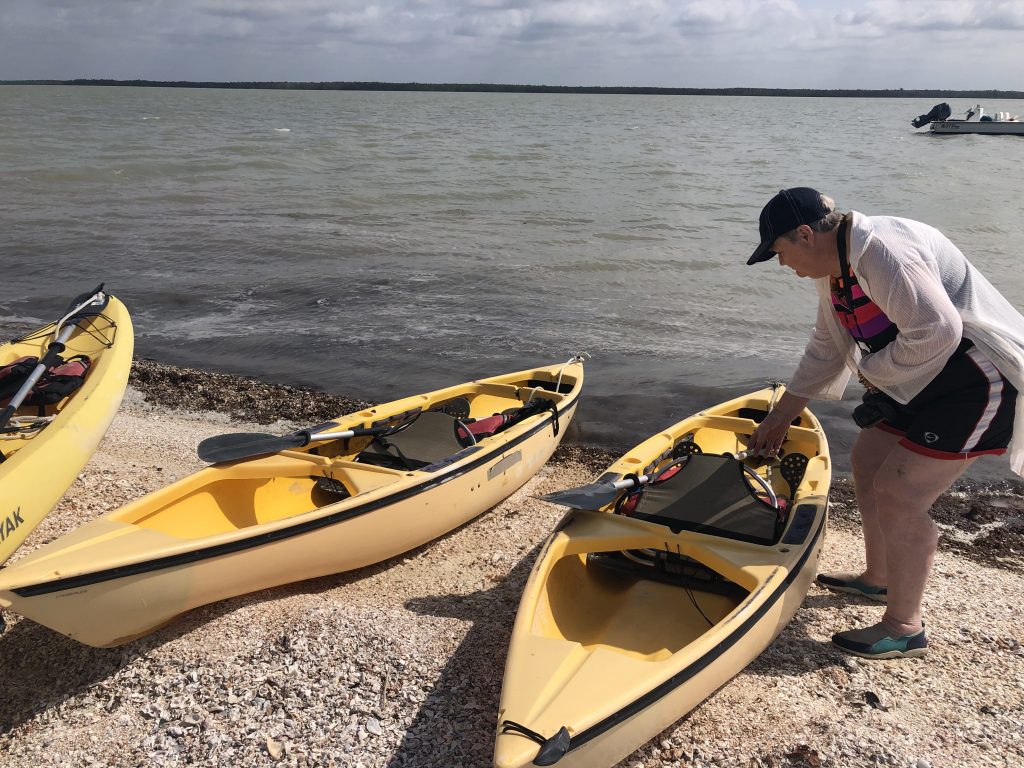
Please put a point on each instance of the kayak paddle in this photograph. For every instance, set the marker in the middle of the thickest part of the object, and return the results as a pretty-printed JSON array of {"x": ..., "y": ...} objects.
[
  {"x": 594, "y": 496},
  {"x": 81, "y": 308},
  {"x": 245, "y": 445}
]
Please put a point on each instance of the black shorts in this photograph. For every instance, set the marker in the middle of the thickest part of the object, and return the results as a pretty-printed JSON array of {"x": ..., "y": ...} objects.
[{"x": 966, "y": 410}]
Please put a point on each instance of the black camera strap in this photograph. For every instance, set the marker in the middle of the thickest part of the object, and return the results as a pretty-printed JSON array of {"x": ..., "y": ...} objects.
[{"x": 844, "y": 263}]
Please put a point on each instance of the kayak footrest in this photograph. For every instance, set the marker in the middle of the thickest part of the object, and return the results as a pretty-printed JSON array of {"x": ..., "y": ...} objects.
[{"x": 668, "y": 568}]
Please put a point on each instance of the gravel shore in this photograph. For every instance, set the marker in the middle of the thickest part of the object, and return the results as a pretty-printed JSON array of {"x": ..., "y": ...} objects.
[{"x": 400, "y": 664}]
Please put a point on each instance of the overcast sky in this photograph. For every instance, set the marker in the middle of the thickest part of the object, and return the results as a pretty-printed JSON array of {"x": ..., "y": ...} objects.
[{"x": 949, "y": 44}]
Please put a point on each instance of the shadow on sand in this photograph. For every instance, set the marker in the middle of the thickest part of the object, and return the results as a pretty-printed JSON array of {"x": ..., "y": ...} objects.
[
  {"x": 456, "y": 723},
  {"x": 41, "y": 668}
]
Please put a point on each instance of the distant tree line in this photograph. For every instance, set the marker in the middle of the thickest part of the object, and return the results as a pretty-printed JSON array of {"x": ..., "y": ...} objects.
[{"x": 908, "y": 93}]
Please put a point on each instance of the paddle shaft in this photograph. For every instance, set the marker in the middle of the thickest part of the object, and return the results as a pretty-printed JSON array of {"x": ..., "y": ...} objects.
[
  {"x": 320, "y": 436},
  {"x": 233, "y": 447},
  {"x": 629, "y": 482},
  {"x": 55, "y": 348}
]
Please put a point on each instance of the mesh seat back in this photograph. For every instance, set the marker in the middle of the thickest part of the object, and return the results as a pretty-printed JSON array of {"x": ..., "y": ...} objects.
[
  {"x": 710, "y": 495},
  {"x": 429, "y": 439}
]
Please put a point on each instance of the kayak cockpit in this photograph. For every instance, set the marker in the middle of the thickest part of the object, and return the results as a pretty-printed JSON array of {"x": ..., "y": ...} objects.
[
  {"x": 253, "y": 493},
  {"x": 627, "y": 603},
  {"x": 236, "y": 496},
  {"x": 452, "y": 429}
]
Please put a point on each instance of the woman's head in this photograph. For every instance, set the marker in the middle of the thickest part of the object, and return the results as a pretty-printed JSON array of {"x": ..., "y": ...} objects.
[{"x": 798, "y": 225}]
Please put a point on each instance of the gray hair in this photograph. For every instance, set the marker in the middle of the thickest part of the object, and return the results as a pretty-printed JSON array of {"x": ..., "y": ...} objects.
[{"x": 826, "y": 224}]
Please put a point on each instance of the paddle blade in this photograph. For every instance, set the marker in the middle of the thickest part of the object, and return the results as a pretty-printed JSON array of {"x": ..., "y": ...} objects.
[
  {"x": 86, "y": 305},
  {"x": 244, "y": 445},
  {"x": 593, "y": 496}
]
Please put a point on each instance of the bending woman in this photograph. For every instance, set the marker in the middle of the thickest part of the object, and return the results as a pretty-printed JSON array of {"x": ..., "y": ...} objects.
[{"x": 941, "y": 354}]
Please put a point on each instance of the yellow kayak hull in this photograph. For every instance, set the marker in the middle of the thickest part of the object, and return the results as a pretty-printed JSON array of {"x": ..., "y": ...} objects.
[
  {"x": 615, "y": 656},
  {"x": 239, "y": 527},
  {"x": 40, "y": 467}
]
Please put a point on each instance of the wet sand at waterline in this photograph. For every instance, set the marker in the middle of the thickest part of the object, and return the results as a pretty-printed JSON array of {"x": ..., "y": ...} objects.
[{"x": 400, "y": 664}]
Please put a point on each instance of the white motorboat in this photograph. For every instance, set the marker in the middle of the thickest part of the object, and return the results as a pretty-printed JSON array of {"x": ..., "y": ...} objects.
[{"x": 939, "y": 120}]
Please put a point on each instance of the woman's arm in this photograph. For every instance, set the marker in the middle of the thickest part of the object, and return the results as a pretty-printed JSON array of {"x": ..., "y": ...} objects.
[{"x": 822, "y": 371}]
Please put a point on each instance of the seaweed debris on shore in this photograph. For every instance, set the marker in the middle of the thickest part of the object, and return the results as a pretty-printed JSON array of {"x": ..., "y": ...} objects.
[
  {"x": 242, "y": 397},
  {"x": 984, "y": 523}
]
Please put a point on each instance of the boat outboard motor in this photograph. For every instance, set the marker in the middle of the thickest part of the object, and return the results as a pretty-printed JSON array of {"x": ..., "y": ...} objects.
[{"x": 939, "y": 112}]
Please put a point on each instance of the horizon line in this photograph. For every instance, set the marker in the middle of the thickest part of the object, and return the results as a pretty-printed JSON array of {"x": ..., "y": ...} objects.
[{"x": 525, "y": 88}]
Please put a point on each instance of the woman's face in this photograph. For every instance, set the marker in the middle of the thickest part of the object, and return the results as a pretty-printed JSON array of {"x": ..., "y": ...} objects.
[{"x": 806, "y": 253}]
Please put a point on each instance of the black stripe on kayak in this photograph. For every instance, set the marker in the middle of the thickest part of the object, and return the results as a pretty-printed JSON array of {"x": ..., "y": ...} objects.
[
  {"x": 85, "y": 579},
  {"x": 638, "y": 705}
]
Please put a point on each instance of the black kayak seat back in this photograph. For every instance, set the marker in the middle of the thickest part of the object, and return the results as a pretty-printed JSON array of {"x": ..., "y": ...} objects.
[
  {"x": 711, "y": 495},
  {"x": 427, "y": 440},
  {"x": 456, "y": 406}
]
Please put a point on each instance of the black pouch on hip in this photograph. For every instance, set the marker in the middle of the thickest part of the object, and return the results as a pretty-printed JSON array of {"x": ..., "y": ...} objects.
[{"x": 876, "y": 406}]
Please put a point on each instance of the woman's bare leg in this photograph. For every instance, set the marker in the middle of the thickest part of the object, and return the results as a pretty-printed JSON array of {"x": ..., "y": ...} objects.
[
  {"x": 906, "y": 485},
  {"x": 869, "y": 454}
]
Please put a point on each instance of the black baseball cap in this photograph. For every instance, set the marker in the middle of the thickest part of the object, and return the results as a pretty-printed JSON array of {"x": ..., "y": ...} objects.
[{"x": 784, "y": 213}]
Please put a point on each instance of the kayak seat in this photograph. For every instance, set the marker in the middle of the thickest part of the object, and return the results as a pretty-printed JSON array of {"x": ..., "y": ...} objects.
[
  {"x": 458, "y": 407},
  {"x": 711, "y": 495},
  {"x": 429, "y": 439},
  {"x": 499, "y": 422}
]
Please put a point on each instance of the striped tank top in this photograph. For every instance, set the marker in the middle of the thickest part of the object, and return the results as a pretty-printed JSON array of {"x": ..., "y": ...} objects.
[{"x": 869, "y": 326}]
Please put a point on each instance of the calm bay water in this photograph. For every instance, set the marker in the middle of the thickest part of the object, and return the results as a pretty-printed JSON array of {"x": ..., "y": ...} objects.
[{"x": 379, "y": 244}]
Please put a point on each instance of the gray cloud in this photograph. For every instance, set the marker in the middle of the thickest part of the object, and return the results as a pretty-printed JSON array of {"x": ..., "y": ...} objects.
[
  {"x": 937, "y": 15},
  {"x": 774, "y": 43}
]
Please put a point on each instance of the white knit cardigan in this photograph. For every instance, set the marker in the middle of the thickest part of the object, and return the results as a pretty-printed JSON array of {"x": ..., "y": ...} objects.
[{"x": 935, "y": 296}]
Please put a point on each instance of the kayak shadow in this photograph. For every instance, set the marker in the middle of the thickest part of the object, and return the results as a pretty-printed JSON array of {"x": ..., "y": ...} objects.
[
  {"x": 42, "y": 668},
  {"x": 456, "y": 722},
  {"x": 799, "y": 649}
]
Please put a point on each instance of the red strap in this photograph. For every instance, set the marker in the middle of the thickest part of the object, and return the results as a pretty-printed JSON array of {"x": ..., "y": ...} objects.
[
  {"x": 484, "y": 427},
  {"x": 72, "y": 368}
]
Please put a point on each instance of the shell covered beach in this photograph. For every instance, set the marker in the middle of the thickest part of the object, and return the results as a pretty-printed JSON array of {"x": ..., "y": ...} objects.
[{"x": 400, "y": 664}]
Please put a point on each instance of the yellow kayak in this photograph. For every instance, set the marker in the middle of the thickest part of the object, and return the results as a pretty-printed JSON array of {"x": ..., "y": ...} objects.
[
  {"x": 45, "y": 441},
  {"x": 673, "y": 571},
  {"x": 342, "y": 495}
]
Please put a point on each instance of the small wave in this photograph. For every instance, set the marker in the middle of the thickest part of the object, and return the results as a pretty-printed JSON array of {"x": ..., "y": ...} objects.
[
  {"x": 18, "y": 324},
  {"x": 283, "y": 130},
  {"x": 231, "y": 320},
  {"x": 620, "y": 236}
]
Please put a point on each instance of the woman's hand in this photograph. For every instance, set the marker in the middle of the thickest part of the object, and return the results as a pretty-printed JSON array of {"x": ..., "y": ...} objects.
[{"x": 768, "y": 436}]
